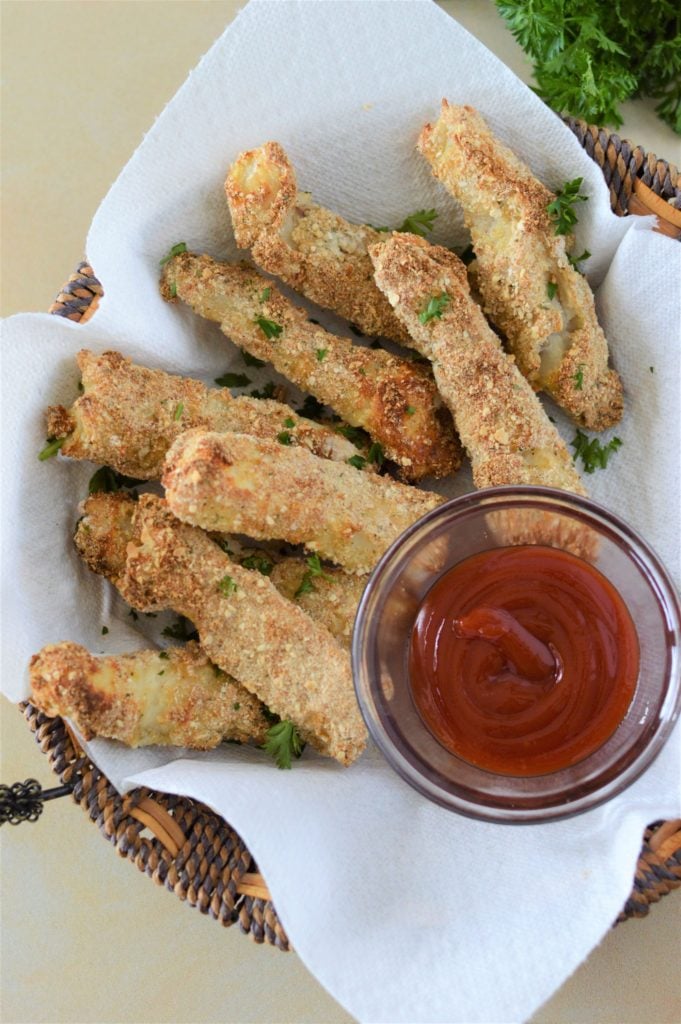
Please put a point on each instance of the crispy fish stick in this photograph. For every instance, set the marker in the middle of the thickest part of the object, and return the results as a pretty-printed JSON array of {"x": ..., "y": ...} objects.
[
  {"x": 128, "y": 416},
  {"x": 543, "y": 306},
  {"x": 502, "y": 424},
  {"x": 245, "y": 626},
  {"x": 238, "y": 483},
  {"x": 175, "y": 697},
  {"x": 330, "y": 597},
  {"x": 394, "y": 400},
  {"x": 312, "y": 249}
]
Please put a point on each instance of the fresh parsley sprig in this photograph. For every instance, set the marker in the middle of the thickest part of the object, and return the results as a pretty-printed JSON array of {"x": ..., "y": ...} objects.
[
  {"x": 52, "y": 446},
  {"x": 314, "y": 571},
  {"x": 175, "y": 251},
  {"x": 262, "y": 563},
  {"x": 283, "y": 743},
  {"x": 268, "y": 327},
  {"x": 562, "y": 209},
  {"x": 233, "y": 380},
  {"x": 434, "y": 308},
  {"x": 593, "y": 454},
  {"x": 419, "y": 223}
]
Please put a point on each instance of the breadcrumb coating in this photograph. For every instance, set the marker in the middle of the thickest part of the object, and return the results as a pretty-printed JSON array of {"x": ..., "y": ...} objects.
[
  {"x": 331, "y": 599},
  {"x": 129, "y": 415},
  {"x": 393, "y": 399},
  {"x": 245, "y": 626},
  {"x": 175, "y": 697},
  {"x": 317, "y": 252},
  {"x": 520, "y": 263},
  {"x": 500, "y": 420},
  {"x": 242, "y": 484}
]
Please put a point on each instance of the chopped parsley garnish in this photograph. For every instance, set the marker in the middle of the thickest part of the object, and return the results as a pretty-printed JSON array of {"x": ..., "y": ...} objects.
[
  {"x": 173, "y": 295},
  {"x": 593, "y": 454},
  {"x": 259, "y": 562},
  {"x": 51, "y": 448},
  {"x": 362, "y": 371},
  {"x": 419, "y": 223},
  {"x": 312, "y": 408},
  {"x": 164, "y": 655},
  {"x": 108, "y": 481},
  {"x": 105, "y": 630},
  {"x": 289, "y": 422},
  {"x": 251, "y": 360},
  {"x": 321, "y": 354},
  {"x": 358, "y": 461},
  {"x": 227, "y": 586},
  {"x": 236, "y": 706},
  {"x": 265, "y": 294},
  {"x": 652, "y": 369},
  {"x": 284, "y": 437},
  {"x": 181, "y": 629},
  {"x": 179, "y": 409},
  {"x": 282, "y": 742},
  {"x": 561, "y": 210},
  {"x": 268, "y": 327},
  {"x": 574, "y": 260},
  {"x": 435, "y": 308},
  {"x": 578, "y": 377},
  {"x": 376, "y": 454},
  {"x": 551, "y": 289},
  {"x": 314, "y": 571},
  {"x": 175, "y": 251},
  {"x": 410, "y": 410},
  {"x": 354, "y": 434},
  {"x": 266, "y": 392},
  {"x": 233, "y": 380}
]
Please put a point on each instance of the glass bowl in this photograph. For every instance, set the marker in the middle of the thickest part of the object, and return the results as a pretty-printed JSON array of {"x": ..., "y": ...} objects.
[{"x": 494, "y": 518}]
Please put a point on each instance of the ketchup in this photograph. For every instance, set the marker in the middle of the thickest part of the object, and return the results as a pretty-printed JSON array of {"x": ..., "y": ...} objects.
[{"x": 523, "y": 660}]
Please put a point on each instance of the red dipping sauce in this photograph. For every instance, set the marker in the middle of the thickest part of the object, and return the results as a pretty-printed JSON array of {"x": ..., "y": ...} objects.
[{"x": 523, "y": 660}]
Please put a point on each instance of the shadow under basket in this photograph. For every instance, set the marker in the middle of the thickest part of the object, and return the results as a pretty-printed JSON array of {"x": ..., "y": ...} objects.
[{"x": 184, "y": 845}]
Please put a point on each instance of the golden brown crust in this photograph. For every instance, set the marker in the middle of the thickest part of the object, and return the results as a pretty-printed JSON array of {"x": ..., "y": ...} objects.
[
  {"x": 394, "y": 400},
  {"x": 557, "y": 341},
  {"x": 313, "y": 250},
  {"x": 500, "y": 420},
  {"x": 331, "y": 599},
  {"x": 241, "y": 484},
  {"x": 129, "y": 415},
  {"x": 245, "y": 626},
  {"x": 175, "y": 697}
]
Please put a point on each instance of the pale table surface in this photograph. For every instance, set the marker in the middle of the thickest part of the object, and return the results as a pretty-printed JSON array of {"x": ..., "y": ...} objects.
[{"x": 85, "y": 937}]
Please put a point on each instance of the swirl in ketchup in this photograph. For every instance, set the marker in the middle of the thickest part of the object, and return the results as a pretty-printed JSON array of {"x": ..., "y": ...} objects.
[{"x": 523, "y": 660}]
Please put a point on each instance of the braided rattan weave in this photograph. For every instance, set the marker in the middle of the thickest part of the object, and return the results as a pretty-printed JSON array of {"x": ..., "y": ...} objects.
[{"x": 193, "y": 852}]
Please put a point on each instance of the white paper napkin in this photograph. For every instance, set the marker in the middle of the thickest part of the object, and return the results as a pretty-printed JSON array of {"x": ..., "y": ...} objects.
[{"x": 405, "y": 912}]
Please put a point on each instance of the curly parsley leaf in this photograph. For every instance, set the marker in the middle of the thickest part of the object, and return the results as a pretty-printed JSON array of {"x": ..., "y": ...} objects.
[
  {"x": 227, "y": 586},
  {"x": 314, "y": 571},
  {"x": 419, "y": 223},
  {"x": 579, "y": 377},
  {"x": 260, "y": 562},
  {"x": 358, "y": 461},
  {"x": 376, "y": 454},
  {"x": 435, "y": 308},
  {"x": 266, "y": 392},
  {"x": 283, "y": 437},
  {"x": 321, "y": 354},
  {"x": 562, "y": 209},
  {"x": 268, "y": 327},
  {"x": 574, "y": 260},
  {"x": 251, "y": 360},
  {"x": 593, "y": 454},
  {"x": 175, "y": 251},
  {"x": 283, "y": 743},
  {"x": 552, "y": 289},
  {"x": 51, "y": 448},
  {"x": 589, "y": 58}
]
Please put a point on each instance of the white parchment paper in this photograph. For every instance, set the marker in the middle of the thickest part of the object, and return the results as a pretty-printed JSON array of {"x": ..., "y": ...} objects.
[{"x": 404, "y": 911}]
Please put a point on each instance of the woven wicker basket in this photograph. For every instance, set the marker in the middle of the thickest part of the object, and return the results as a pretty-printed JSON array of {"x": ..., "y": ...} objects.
[{"x": 195, "y": 853}]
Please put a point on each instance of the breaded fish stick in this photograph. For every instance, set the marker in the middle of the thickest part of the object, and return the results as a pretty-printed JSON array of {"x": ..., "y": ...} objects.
[
  {"x": 502, "y": 424},
  {"x": 174, "y": 697},
  {"x": 321, "y": 255},
  {"x": 394, "y": 400},
  {"x": 129, "y": 415},
  {"x": 329, "y": 598},
  {"x": 238, "y": 483},
  {"x": 245, "y": 626},
  {"x": 543, "y": 306}
]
